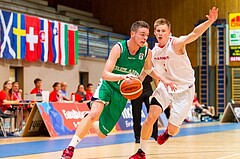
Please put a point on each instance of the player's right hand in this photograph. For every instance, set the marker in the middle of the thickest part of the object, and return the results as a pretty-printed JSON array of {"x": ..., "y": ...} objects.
[
  {"x": 171, "y": 84},
  {"x": 213, "y": 14}
]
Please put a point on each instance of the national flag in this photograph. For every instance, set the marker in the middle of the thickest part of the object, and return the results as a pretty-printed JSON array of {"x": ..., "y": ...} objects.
[
  {"x": 43, "y": 40},
  {"x": 59, "y": 43},
  {"x": 19, "y": 35},
  {"x": 32, "y": 31},
  {"x": 6, "y": 20},
  {"x": 53, "y": 55},
  {"x": 73, "y": 44},
  {"x": 64, "y": 43}
]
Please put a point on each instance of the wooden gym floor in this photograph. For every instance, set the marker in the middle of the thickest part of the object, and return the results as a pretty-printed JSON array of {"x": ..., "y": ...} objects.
[{"x": 211, "y": 140}]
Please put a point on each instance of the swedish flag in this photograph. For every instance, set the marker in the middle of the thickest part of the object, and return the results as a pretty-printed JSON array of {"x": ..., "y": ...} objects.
[{"x": 19, "y": 35}]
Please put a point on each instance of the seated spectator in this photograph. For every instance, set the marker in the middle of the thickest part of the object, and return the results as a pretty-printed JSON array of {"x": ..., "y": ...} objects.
[
  {"x": 89, "y": 91},
  {"x": 38, "y": 87},
  {"x": 201, "y": 108},
  {"x": 76, "y": 97},
  {"x": 63, "y": 91},
  {"x": 6, "y": 96},
  {"x": 81, "y": 91},
  {"x": 18, "y": 94},
  {"x": 55, "y": 95}
]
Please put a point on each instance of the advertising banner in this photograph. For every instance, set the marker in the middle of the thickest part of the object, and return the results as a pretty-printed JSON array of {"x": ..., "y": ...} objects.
[
  {"x": 58, "y": 118},
  {"x": 234, "y": 36},
  {"x": 55, "y": 119},
  {"x": 126, "y": 120}
]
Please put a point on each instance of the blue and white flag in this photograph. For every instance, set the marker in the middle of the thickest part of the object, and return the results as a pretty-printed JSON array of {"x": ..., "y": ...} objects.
[
  {"x": 53, "y": 41},
  {"x": 6, "y": 21},
  {"x": 43, "y": 38}
]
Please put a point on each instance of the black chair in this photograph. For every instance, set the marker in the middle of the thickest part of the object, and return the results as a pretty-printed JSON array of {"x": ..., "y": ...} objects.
[{"x": 3, "y": 116}]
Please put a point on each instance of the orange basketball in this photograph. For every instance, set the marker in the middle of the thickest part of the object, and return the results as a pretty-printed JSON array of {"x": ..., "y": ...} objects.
[{"x": 131, "y": 88}]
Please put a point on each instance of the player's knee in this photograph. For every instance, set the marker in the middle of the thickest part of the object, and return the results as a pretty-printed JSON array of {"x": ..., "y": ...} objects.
[
  {"x": 151, "y": 118},
  {"x": 93, "y": 116}
]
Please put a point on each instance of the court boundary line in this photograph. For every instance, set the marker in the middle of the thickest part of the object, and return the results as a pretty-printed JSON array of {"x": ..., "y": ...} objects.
[{"x": 238, "y": 154}]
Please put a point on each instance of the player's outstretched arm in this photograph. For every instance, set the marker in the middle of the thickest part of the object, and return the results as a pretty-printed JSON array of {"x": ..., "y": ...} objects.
[{"x": 200, "y": 29}]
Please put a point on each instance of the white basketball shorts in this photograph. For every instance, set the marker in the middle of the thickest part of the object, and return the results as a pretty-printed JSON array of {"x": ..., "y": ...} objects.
[{"x": 180, "y": 102}]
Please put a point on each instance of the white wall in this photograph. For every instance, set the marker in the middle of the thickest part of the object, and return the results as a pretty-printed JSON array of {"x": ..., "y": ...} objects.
[
  {"x": 50, "y": 73},
  {"x": 4, "y": 72}
]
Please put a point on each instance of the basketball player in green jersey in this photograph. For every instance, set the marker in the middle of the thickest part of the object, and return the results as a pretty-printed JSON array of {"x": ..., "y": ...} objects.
[{"x": 127, "y": 59}]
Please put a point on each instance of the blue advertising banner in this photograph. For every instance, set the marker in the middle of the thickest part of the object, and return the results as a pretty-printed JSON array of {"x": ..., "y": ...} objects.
[
  {"x": 57, "y": 118},
  {"x": 62, "y": 118},
  {"x": 126, "y": 120}
]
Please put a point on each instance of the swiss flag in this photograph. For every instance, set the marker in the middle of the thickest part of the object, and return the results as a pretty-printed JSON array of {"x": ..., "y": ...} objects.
[{"x": 32, "y": 31}]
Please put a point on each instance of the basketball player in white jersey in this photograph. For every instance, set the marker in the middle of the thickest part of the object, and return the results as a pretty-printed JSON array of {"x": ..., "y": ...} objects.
[{"x": 170, "y": 57}]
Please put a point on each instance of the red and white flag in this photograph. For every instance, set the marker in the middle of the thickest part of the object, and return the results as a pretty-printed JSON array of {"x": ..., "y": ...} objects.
[
  {"x": 73, "y": 44},
  {"x": 32, "y": 30}
]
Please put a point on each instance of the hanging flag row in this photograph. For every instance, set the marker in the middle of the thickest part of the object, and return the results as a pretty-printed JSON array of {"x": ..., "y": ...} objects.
[{"x": 37, "y": 39}]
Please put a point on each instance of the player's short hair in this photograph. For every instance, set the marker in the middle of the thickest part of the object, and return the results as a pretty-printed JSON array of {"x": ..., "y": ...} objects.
[
  {"x": 161, "y": 21},
  {"x": 139, "y": 24}
]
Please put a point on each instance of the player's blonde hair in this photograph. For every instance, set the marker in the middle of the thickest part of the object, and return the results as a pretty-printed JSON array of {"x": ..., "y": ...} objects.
[
  {"x": 161, "y": 21},
  {"x": 139, "y": 24}
]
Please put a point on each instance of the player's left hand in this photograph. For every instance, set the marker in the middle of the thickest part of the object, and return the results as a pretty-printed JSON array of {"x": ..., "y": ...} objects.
[
  {"x": 129, "y": 76},
  {"x": 213, "y": 14}
]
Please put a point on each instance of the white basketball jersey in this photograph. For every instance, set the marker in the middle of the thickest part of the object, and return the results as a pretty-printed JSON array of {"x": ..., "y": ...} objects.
[{"x": 176, "y": 68}]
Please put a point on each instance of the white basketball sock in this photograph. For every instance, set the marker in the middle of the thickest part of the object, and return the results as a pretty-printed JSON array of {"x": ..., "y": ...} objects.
[
  {"x": 143, "y": 144},
  {"x": 75, "y": 140}
]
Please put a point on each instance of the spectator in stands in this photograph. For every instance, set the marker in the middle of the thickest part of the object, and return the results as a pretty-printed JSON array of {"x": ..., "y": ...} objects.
[
  {"x": 63, "y": 91},
  {"x": 55, "y": 95},
  {"x": 6, "y": 96},
  {"x": 18, "y": 95},
  {"x": 81, "y": 91},
  {"x": 89, "y": 91},
  {"x": 201, "y": 108},
  {"x": 38, "y": 87}
]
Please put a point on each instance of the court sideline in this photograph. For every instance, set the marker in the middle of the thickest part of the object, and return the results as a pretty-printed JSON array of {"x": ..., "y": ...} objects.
[{"x": 202, "y": 140}]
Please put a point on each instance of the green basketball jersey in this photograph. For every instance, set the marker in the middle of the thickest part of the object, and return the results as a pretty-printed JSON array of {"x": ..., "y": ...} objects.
[{"x": 127, "y": 63}]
